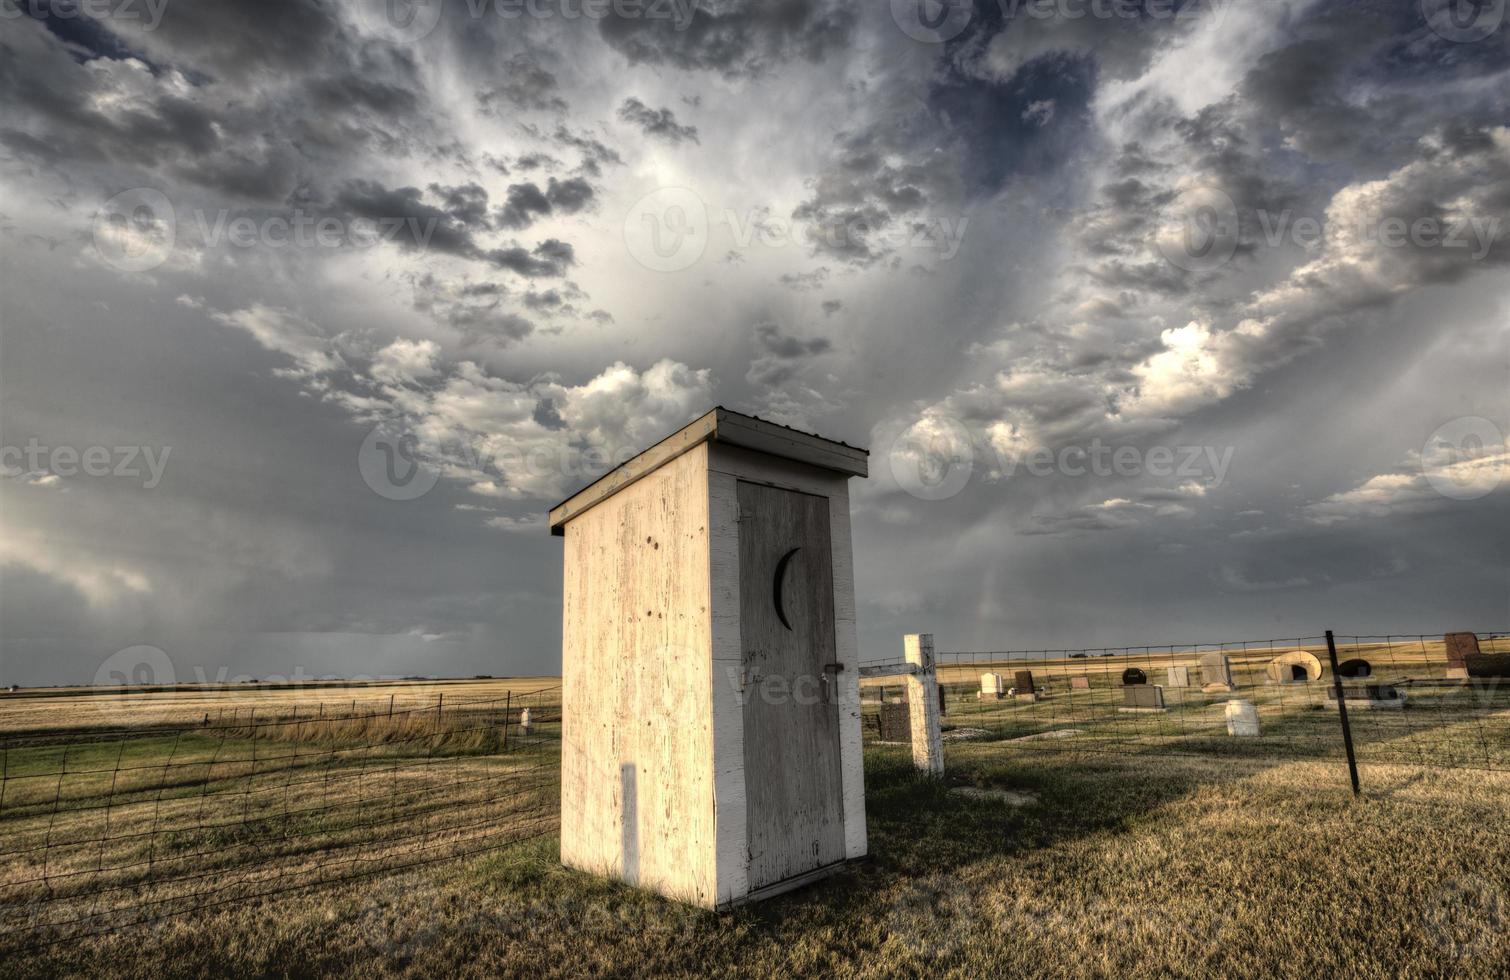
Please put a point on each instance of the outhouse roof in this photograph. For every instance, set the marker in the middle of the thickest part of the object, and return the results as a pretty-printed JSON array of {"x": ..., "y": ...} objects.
[{"x": 722, "y": 426}]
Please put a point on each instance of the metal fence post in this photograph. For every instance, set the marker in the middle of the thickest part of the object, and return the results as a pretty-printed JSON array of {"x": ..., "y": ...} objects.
[
  {"x": 1347, "y": 730},
  {"x": 923, "y": 704}
]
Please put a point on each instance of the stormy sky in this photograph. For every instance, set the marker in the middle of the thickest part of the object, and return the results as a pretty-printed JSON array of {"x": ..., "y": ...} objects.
[{"x": 1163, "y": 321}]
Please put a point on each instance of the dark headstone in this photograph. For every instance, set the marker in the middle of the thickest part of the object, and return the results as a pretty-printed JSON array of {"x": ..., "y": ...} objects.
[
  {"x": 943, "y": 702},
  {"x": 1460, "y": 646},
  {"x": 1356, "y": 669},
  {"x": 1024, "y": 682},
  {"x": 1366, "y": 692},
  {"x": 896, "y": 723},
  {"x": 1488, "y": 664},
  {"x": 1132, "y": 676},
  {"x": 1143, "y": 697}
]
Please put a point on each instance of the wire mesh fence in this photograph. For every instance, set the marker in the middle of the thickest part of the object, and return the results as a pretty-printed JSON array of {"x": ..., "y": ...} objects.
[
  {"x": 1410, "y": 700},
  {"x": 103, "y": 827}
]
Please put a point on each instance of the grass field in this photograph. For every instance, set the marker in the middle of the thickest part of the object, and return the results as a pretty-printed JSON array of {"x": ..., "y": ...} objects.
[{"x": 1135, "y": 855}]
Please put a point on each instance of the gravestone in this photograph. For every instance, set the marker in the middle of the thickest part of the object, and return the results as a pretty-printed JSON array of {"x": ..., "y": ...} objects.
[
  {"x": 1133, "y": 676},
  {"x": 1023, "y": 683},
  {"x": 1242, "y": 719},
  {"x": 1459, "y": 646},
  {"x": 1488, "y": 664},
  {"x": 991, "y": 687},
  {"x": 1216, "y": 673},
  {"x": 1142, "y": 697},
  {"x": 526, "y": 723},
  {"x": 895, "y": 722},
  {"x": 1367, "y": 696},
  {"x": 1355, "y": 669},
  {"x": 943, "y": 702},
  {"x": 1080, "y": 683},
  {"x": 1293, "y": 667},
  {"x": 1177, "y": 677}
]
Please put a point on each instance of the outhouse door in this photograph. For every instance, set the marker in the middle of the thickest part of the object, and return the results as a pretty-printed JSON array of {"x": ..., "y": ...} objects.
[{"x": 795, "y": 805}]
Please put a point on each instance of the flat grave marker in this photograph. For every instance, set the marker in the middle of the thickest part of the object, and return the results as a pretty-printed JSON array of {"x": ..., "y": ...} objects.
[{"x": 1142, "y": 698}]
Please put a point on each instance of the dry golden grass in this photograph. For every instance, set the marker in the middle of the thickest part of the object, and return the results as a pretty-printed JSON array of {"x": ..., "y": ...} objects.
[
  {"x": 104, "y": 708},
  {"x": 1125, "y": 867},
  {"x": 1141, "y": 852}
]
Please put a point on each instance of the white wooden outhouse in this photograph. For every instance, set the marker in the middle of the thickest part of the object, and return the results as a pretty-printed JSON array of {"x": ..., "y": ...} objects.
[{"x": 711, "y": 711}]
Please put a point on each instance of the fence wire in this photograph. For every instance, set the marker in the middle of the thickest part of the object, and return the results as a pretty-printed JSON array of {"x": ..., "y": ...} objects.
[
  {"x": 1407, "y": 704},
  {"x": 106, "y": 827}
]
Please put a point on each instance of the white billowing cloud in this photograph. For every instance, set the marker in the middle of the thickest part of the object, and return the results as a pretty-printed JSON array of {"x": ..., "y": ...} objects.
[
  {"x": 406, "y": 361},
  {"x": 525, "y": 523},
  {"x": 537, "y": 440},
  {"x": 523, "y": 440},
  {"x": 1435, "y": 479},
  {"x": 102, "y": 582},
  {"x": 1194, "y": 369},
  {"x": 286, "y": 332}
]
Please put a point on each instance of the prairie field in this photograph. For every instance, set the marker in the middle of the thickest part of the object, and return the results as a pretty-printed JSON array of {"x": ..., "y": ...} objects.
[{"x": 320, "y": 835}]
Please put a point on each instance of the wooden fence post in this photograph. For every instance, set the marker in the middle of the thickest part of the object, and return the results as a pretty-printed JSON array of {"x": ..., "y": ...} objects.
[{"x": 923, "y": 704}]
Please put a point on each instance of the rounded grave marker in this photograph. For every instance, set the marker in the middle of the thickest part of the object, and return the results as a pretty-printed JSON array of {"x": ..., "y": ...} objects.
[
  {"x": 1132, "y": 676},
  {"x": 1295, "y": 667},
  {"x": 1356, "y": 669}
]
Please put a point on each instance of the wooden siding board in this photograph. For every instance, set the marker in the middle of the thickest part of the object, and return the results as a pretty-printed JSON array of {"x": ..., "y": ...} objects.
[
  {"x": 730, "y": 464},
  {"x": 637, "y": 754},
  {"x": 791, "y": 721}
]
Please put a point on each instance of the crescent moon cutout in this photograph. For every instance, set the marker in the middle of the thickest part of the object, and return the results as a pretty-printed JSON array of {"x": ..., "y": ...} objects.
[{"x": 776, "y": 586}]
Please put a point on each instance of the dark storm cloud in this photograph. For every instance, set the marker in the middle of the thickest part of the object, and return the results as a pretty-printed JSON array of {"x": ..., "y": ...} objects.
[
  {"x": 660, "y": 123},
  {"x": 525, "y": 85},
  {"x": 550, "y": 259},
  {"x": 422, "y": 225},
  {"x": 476, "y": 309},
  {"x": 1325, "y": 368},
  {"x": 735, "y": 37},
  {"x": 150, "y": 126},
  {"x": 526, "y": 202},
  {"x": 467, "y": 203},
  {"x": 780, "y": 344},
  {"x": 250, "y": 144},
  {"x": 778, "y": 370},
  {"x": 571, "y": 195},
  {"x": 595, "y": 153}
]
